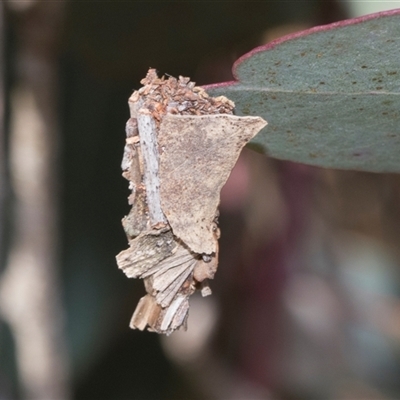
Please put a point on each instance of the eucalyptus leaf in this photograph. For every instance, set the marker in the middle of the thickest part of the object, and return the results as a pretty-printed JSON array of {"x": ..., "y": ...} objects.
[{"x": 330, "y": 94}]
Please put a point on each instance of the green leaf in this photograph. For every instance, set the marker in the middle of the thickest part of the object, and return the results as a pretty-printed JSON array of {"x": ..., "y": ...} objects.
[{"x": 331, "y": 94}]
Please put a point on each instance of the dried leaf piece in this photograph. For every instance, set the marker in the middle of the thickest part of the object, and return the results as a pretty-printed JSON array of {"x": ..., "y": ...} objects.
[
  {"x": 198, "y": 154},
  {"x": 181, "y": 146}
]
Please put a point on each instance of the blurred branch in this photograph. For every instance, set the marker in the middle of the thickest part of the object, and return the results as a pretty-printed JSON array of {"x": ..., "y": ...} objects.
[
  {"x": 2, "y": 127},
  {"x": 29, "y": 289}
]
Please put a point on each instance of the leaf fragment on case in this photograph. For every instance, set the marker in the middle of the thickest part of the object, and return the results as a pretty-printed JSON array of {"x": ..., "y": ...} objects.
[{"x": 208, "y": 147}]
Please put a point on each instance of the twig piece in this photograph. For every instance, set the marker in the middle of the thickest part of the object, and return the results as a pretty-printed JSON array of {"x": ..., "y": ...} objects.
[{"x": 148, "y": 143}]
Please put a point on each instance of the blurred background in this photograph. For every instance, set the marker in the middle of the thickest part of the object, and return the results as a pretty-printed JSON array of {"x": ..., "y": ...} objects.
[{"x": 305, "y": 303}]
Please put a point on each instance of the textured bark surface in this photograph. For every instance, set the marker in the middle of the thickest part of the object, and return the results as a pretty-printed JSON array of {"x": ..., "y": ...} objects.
[{"x": 180, "y": 149}]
